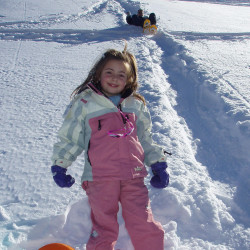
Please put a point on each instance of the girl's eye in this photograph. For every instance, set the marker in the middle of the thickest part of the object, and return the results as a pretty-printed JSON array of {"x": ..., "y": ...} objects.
[{"x": 122, "y": 76}]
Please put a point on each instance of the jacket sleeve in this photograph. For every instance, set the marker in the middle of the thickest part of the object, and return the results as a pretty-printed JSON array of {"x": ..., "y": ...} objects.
[
  {"x": 153, "y": 152},
  {"x": 71, "y": 136},
  {"x": 129, "y": 19}
]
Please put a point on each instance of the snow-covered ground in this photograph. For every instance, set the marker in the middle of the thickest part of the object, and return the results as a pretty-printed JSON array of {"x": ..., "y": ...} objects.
[{"x": 195, "y": 76}]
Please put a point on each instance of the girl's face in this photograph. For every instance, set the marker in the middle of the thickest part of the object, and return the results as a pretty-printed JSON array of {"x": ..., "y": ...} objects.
[{"x": 114, "y": 77}]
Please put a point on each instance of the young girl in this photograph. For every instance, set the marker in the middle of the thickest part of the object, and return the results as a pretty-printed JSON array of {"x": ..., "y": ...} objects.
[{"x": 108, "y": 120}]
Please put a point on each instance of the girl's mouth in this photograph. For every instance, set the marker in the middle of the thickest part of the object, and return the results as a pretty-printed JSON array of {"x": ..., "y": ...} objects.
[{"x": 113, "y": 85}]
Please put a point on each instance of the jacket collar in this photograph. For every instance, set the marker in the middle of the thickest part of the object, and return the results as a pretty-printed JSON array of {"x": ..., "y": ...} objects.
[{"x": 92, "y": 86}]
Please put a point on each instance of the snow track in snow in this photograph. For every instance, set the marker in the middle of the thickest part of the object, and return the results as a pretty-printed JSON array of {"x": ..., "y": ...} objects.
[{"x": 203, "y": 109}]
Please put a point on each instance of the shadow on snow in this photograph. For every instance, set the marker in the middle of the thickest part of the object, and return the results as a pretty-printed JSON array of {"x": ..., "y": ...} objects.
[{"x": 70, "y": 36}]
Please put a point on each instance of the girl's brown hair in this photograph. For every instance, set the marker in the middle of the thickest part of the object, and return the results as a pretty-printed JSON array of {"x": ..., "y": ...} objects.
[{"x": 95, "y": 73}]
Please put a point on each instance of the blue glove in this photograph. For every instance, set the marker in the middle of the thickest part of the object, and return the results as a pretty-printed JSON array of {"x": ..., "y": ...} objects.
[
  {"x": 60, "y": 177},
  {"x": 161, "y": 176}
]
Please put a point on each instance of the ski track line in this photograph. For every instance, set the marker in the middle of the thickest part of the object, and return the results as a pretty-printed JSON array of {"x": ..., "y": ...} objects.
[
  {"x": 15, "y": 59},
  {"x": 18, "y": 47},
  {"x": 238, "y": 95},
  {"x": 192, "y": 36},
  {"x": 225, "y": 2}
]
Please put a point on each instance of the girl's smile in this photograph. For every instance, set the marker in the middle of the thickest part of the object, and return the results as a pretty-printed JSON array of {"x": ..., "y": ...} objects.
[{"x": 114, "y": 77}]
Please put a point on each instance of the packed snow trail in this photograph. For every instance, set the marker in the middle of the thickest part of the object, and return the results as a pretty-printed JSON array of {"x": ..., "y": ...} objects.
[
  {"x": 198, "y": 210},
  {"x": 204, "y": 111}
]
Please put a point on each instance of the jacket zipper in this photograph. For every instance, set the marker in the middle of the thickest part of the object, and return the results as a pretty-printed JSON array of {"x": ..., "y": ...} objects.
[
  {"x": 88, "y": 153},
  {"x": 123, "y": 119}
]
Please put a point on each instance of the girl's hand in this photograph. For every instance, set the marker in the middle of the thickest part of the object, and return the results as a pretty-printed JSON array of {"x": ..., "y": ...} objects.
[
  {"x": 60, "y": 177},
  {"x": 161, "y": 176}
]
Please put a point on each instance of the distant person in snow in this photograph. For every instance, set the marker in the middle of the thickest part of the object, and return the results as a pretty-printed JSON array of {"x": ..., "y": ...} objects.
[
  {"x": 139, "y": 18},
  {"x": 109, "y": 120}
]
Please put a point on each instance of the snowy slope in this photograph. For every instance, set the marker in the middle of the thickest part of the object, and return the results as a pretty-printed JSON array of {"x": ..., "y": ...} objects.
[{"x": 194, "y": 75}]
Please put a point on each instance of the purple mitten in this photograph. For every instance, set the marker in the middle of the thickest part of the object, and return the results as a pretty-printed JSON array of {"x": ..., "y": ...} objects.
[
  {"x": 161, "y": 176},
  {"x": 60, "y": 177}
]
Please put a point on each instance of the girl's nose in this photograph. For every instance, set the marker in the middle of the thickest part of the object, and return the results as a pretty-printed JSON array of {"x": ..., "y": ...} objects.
[{"x": 114, "y": 77}]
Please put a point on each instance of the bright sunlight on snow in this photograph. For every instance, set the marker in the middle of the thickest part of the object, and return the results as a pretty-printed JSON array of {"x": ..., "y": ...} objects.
[{"x": 195, "y": 76}]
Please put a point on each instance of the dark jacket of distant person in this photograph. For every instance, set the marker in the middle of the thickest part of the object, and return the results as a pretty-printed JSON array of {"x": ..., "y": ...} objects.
[{"x": 138, "y": 19}]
